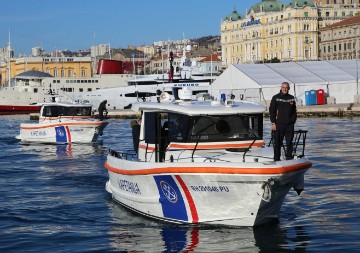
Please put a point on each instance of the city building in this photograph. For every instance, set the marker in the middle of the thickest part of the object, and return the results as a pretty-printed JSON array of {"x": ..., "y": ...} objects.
[
  {"x": 210, "y": 65},
  {"x": 99, "y": 49},
  {"x": 70, "y": 67},
  {"x": 272, "y": 29},
  {"x": 4, "y": 53},
  {"x": 340, "y": 41}
]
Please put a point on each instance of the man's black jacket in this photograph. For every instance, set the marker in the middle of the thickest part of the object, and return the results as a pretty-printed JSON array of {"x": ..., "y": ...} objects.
[{"x": 283, "y": 109}]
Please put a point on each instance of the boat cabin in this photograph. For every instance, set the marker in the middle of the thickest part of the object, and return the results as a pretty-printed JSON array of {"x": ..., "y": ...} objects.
[
  {"x": 55, "y": 110},
  {"x": 177, "y": 127},
  {"x": 203, "y": 126}
]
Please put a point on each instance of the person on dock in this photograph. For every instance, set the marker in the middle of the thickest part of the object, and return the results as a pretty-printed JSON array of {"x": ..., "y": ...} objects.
[
  {"x": 102, "y": 109},
  {"x": 282, "y": 112}
]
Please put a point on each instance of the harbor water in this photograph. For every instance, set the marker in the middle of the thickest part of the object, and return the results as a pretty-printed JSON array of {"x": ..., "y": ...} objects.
[{"x": 53, "y": 199}]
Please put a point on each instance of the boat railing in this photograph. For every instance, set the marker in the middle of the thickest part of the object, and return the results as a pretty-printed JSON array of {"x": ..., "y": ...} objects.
[
  {"x": 299, "y": 142},
  {"x": 245, "y": 150},
  {"x": 127, "y": 155}
]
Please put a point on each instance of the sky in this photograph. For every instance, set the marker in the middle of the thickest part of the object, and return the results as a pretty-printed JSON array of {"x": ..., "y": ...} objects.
[{"x": 80, "y": 24}]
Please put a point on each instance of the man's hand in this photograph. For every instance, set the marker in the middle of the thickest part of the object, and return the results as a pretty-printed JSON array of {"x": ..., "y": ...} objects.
[{"x": 273, "y": 126}]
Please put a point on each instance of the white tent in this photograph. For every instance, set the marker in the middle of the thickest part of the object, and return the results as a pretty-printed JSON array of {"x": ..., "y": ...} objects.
[{"x": 259, "y": 82}]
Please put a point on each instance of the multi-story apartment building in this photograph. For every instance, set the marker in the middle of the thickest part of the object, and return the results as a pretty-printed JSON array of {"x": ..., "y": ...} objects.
[
  {"x": 340, "y": 41},
  {"x": 70, "y": 67},
  {"x": 286, "y": 31}
]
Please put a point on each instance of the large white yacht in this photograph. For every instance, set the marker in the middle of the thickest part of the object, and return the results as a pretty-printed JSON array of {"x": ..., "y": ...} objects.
[{"x": 32, "y": 87}]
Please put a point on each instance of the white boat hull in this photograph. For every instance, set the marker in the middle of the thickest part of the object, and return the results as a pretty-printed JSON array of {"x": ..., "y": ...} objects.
[
  {"x": 62, "y": 132},
  {"x": 218, "y": 194}
]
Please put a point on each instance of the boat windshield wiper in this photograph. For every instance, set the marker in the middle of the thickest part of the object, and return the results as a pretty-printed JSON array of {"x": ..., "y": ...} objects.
[
  {"x": 197, "y": 142},
  {"x": 248, "y": 148}
]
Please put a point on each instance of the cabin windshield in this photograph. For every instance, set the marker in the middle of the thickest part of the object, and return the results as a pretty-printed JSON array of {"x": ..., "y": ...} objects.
[
  {"x": 56, "y": 111},
  {"x": 219, "y": 128}
]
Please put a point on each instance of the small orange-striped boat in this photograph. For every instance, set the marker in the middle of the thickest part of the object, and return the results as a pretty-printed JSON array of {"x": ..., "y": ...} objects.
[{"x": 63, "y": 123}]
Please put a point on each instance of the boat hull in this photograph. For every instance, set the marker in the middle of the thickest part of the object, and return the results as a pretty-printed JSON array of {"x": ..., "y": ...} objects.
[
  {"x": 67, "y": 132},
  {"x": 194, "y": 193},
  {"x": 18, "y": 109}
]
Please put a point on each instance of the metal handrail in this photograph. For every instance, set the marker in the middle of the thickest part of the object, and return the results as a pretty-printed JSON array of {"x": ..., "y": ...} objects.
[
  {"x": 123, "y": 155},
  {"x": 298, "y": 140}
]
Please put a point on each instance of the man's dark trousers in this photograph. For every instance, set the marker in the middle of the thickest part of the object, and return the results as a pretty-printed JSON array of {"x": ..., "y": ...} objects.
[{"x": 282, "y": 131}]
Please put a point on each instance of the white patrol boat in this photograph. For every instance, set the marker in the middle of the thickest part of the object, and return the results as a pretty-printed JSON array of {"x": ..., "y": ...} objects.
[
  {"x": 61, "y": 122},
  {"x": 205, "y": 162}
]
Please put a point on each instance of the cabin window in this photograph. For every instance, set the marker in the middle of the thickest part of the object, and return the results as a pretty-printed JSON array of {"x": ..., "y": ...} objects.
[
  {"x": 56, "y": 111},
  {"x": 225, "y": 128},
  {"x": 178, "y": 127},
  {"x": 51, "y": 111},
  {"x": 77, "y": 111},
  {"x": 140, "y": 94}
]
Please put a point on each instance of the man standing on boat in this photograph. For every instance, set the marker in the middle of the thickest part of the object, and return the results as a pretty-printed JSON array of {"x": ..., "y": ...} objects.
[
  {"x": 135, "y": 127},
  {"x": 283, "y": 116},
  {"x": 102, "y": 108}
]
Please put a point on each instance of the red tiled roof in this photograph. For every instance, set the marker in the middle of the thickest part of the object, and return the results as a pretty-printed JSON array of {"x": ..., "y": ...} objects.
[
  {"x": 210, "y": 57},
  {"x": 346, "y": 22}
]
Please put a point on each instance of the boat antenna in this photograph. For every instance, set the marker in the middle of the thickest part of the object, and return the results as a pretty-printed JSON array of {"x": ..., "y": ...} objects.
[
  {"x": 211, "y": 66},
  {"x": 95, "y": 54},
  {"x": 144, "y": 60}
]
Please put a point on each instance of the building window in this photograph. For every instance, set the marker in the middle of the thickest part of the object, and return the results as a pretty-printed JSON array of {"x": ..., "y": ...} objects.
[
  {"x": 306, "y": 14},
  {"x": 83, "y": 73},
  {"x": 62, "y": 73},
  {"x": 81, "y": 89},
  {"x": 55, "y": 72},
  {"x": 69, "y": 73}
]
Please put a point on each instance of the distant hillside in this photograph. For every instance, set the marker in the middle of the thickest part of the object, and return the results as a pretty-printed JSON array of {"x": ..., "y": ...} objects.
[{"x": 207, "y": 40}]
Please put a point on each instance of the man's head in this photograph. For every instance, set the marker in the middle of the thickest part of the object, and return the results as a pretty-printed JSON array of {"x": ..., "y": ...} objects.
[
  {"x": 285, "y": 87},
  {"x": 105, "y": 101}
]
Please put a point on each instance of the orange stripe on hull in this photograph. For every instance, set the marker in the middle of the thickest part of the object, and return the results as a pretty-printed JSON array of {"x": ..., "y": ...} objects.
[
  {"x": 64, "y": 117},
  {"x": 211, "y": 146},
  {"x": 66, "y": 124},
  {"x": 211, "y": 170},
  {"x": 216, "y": 146}
]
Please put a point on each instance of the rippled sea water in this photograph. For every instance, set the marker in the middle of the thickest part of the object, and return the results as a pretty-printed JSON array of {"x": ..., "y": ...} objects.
[{"x": 53, "y": 199}]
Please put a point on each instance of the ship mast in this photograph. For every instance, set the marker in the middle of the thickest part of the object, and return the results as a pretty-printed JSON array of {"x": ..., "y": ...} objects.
[{"x": 9, "y": 61}]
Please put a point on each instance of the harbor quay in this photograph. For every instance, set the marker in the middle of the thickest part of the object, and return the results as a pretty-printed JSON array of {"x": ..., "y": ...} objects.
[{"x": 333, "y": 110}]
